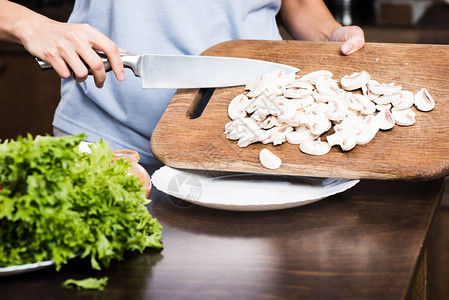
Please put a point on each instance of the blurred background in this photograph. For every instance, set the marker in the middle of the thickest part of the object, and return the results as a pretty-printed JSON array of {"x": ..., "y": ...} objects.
[{"x": 28, "y": 97}]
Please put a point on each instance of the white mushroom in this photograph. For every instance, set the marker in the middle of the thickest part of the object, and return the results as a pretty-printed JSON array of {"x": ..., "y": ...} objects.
[
  {"x": 423, "y": 100},
  {"x": 261, "y": 86},
  {"x": 315, "y": 147},
  {"x": 269, "y": 122},
  {"x": 355, "y": 81},
  {"x": 405, "y": 117},
  {"x": 260, "y": 115},
  {"x": 380, "y": 107},
  {"x": 300, "y": 84},
  {"x": 360, "y": 103},
  {"x": 252, "y": 137},
  {"x": 383, "y": 88},
  {"x": 385, "y": 119},
  {"x": 300, "y": 135},
  {"x": 344, "y": 136},
  {"x": 292, "y": 119},
  {"x": 405, "y": 101},
  {"x": 385, "y": 99},
  {"x": 296, "y": 93},
  {"x": 269, "y": 160},
  {"x": 276, "y": 135},
  {"x": 338, "y": 110},
  {"x": 311, "y": 77},
  {"x": 369, "y": 132},
  {"x": 326, "y": 86},
  {"x": 237, "y": 107}
]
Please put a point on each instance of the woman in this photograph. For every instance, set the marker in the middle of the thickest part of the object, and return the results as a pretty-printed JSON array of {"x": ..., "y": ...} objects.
[{"x": 118, "y": 110}]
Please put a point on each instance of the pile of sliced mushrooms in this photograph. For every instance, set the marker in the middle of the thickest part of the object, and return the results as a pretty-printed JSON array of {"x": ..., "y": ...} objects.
[{"x": 285, "y": 107}]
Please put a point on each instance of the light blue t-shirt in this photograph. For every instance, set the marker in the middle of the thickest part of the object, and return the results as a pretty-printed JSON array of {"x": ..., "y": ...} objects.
[{"x": 122, "y": 113}]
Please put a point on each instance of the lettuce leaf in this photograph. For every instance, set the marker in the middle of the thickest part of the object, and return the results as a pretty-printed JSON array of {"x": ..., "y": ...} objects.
[
  {"x": 86, "y": 284},
  {"x": 57, "y": 203}
]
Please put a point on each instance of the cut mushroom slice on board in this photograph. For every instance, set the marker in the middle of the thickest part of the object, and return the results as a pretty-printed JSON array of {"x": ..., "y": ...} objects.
[
  {"x": 355, "y": 81},
  {"x": 423, "y": 100},
  {"x": 385, "y": 119},
  {"x": 405, "y": 117},
  {"x": 386, "y": 99},
  {"x": 237, "y": 107},
  {"x": 252, "y": 137},
  {"x": 269, "y": 160},
  {"x": 369, "y": 132},
  {"x": 345, "y": 136},
  {"x": 383, "y": 88},
  {"x": 312, "y": 76},
  {"x": 326, "y": 86},
  {"x": 405, "y": 101},
  {"x": 300, "y": 135},
  {"x": 315, "y": 147}
]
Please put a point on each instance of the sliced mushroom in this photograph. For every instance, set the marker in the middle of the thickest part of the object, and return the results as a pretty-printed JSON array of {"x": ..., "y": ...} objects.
[
  {"x": 261, "y": 86},
  {"x": 296, "y": 93},
  {"x": 260, "y": 115},
  {"x": 380, "y": 107},
  {"x": 344, "y": 136},
  {"x": 386, "y": 99},
  {"x": 300, "y": 135},
  {"x": 277, "y": 135},
  {"x": 424, "y": 101},
  {"x": 269, "y": 160},
  {"x": 385, "y": 119},
  {"x": 355, "y": 81},
  {"x": 269, "y": 122},
  {"x": 315, "y": 147},
  {"x": 237, "y": 107},
  {"x": 326, "y": 86},
  {"x": 369, "y": 132},
  {"x": 245, "y": 124},
  {"x": 338, "y": 110},
  {"x": 311, "y": 77},
  {"x": 383, "y": 88},
  {"x": 405, "y": 117},
  {"x": 300, "y": 84},
  {"x": 360, "y": 103},
  {"x": 405, "y": 101},
  {"x": 252, "y": 137},
  {"x": 293, "y": 119}
]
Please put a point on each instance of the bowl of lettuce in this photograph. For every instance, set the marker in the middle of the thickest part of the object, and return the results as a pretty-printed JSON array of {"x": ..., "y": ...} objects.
[{"x": 57, "y": 203}]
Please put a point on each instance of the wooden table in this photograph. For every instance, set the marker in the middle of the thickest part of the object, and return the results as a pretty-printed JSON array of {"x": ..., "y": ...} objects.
[{"x": 366, "y": 243}]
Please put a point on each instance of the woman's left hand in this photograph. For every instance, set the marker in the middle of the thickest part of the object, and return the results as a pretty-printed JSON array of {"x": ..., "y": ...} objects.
[{"x": 352, "y": 37}]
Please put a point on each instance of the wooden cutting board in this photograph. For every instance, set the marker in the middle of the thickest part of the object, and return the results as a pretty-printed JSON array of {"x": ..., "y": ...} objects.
[{"x": 418, "y": 152}]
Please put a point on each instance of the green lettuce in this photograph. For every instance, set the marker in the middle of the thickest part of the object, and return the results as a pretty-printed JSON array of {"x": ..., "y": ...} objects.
[
  {"x": 86, "y": 284},
  {"x": 57, "y": 203}
]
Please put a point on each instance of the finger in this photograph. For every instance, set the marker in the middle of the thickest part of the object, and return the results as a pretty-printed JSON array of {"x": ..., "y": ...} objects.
[
  {"x": 60, "y": 67},
  {"x": 95, "y": 64},
  {"x": 75, "y": 63},
  {"x": 354, "y": 40},
  {"x": 103, "y": 43}
]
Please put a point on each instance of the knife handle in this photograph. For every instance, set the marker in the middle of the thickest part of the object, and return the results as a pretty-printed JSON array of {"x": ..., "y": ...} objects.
[{"x": 129, "y": 61}]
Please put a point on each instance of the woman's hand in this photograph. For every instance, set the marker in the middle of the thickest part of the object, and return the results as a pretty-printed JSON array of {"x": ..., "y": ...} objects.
[
  {"x": 63, "y": 45},
  {"x": 352, "y": 37},
  {"x": 310, "y": 20}
]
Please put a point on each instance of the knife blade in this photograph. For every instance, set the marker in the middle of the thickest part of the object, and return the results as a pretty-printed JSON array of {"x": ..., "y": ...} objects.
[{"x": 165, "y": 71}]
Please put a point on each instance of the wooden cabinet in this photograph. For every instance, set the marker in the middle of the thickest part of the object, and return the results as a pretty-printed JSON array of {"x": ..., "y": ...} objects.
[{"x": 28, "y": 96}]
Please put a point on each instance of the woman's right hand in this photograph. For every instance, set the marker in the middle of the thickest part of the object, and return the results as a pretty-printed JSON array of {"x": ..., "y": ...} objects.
[{"x": 65, "y": 45}]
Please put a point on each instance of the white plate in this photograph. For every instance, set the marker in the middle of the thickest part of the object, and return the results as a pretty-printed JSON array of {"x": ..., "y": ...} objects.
[
  {"x": 12, "y": 270},
  {"x": 246, "y": 192}
]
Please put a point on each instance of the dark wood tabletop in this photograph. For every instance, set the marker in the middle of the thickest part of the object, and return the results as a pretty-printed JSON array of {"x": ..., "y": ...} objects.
[{"x": 365, "y": 243}]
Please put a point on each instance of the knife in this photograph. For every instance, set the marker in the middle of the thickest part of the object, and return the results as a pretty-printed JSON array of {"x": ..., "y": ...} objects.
[{"x": 165, "y": 71}]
